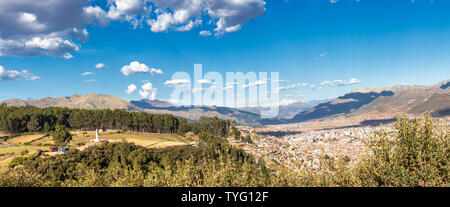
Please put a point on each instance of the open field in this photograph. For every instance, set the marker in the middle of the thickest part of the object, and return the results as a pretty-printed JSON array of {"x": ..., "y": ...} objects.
[
  {"x": 13, "y": 147},
  {"x": 24, "y": 139},
  {"x": 7, "y": 153},
  {"x": 144, "y": 139}
]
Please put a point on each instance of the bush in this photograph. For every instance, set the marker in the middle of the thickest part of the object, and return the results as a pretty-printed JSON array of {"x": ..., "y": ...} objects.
[
  {"x": 24, "y": 152},
  {"x": 414, "y": 154},
  {"x": 17, "y": 161}
]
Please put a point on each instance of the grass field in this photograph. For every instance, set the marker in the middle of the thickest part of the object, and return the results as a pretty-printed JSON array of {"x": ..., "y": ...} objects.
[
  {"x": 143, "y": 139},
  {"x": 24, "y": 139},
  {"x": 14, "y": 147}
]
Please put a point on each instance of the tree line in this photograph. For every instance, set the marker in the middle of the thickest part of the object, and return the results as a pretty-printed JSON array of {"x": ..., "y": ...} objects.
[{"x": 34, "y": 119}]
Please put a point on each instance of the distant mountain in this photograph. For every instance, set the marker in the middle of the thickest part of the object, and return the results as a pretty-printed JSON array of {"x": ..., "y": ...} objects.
[
  {"x": 342, "y": 105},
  {"x": 88, "y": 101},
  {"x": 434, "y": 100},
  {"x": 445, "y": 86},
  {"x": 388, "y": 100},
  {"x": 151, "y": 104},
  {"x": 196, "y": 112},
  {"x": 287, "y": 111}
]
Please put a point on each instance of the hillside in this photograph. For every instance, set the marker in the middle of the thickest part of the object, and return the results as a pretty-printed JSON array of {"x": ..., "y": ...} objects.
[
  {"x": 343, "y": 105},
  {"x": 401, "y": 99},
  {"x": 413, "y": 99},
  {"x": 194, "y": 113},
  {"x": 88, "y": 101}
]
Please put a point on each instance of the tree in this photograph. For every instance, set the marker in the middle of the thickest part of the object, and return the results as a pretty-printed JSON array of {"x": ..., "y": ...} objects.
[
  {"x": 34, "y": 124},
  {"x": 47, "y": 127},
  {"x": 61, "y": 135}
]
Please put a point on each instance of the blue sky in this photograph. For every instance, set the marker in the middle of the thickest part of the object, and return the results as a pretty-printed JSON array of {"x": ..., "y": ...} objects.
[{"x": 377, "y": 42}]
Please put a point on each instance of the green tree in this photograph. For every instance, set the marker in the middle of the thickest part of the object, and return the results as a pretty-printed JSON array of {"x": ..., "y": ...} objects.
[
  {"x": 61, "y": 135},
  {"x": 34, "y": 124},
  {"x": 47, "y": 127}
]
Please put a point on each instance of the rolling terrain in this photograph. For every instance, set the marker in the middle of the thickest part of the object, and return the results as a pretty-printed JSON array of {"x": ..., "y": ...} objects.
[
  {"x": 433, "y": 100},
  {"x": 194, "y": 112},
  {"x": 88, "y": 101},
  {"x": 377, "y": 103}
]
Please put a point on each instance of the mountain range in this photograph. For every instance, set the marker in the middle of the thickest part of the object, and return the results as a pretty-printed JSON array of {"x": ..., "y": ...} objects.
[{"x": 399, "y": 99}]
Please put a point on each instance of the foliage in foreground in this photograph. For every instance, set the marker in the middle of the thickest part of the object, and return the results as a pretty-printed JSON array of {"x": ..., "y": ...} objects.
[{"x": 415, "y": 153}]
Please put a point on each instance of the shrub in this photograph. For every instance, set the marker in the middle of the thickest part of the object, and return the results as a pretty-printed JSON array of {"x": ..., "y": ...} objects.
[
  {"x": 414, "y": 154},
  {"x": 24, "y": 152}
]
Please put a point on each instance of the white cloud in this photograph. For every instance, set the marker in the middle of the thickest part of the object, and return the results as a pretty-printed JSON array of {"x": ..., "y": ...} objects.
[
  {"x": 280, "y": 81},
  {"x": 352, "y": 81},
  {"x": 87, "y": 73},
  {"x": 129, "y": 7},
  {"x": 68, "y": 56},
  {"x": 90, "y": 81},
  {"x": 148, "y": 86},
  {"x": 204, "y": 81},
  {"x": 204, "y": 33},
  {"x": 228, "y": 15},
  {"x": 57, "y": 28},
  {"x": 134, "y": 67},
  {"x": 100, "y": 66},
  {"x": 131, "y": 88},
  {"x": 44, "y": 27},
  {"x": 97, "y": 15},
  {"x": 230, "y": 85},
  {"x": 286, "y": 102},
  {"x": 154, "y": 71},
  {"x": 323, "y": 54},
  {"x": 296, "y": 85},
  {"x": 148, "y": 92},
  {"x": 198, "y": 90},
  {"x": 256, "y": 83},
  {"x": 177, "y": 82},
  {"x": 6, "y": 75}
]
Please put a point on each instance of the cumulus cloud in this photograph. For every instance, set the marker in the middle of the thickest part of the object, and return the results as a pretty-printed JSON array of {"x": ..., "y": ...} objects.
[
  {"x": 131, "y": 88},
  {"x": 228, "y": 15},
  {"x": 136, "y": 67},
  {"x": 100, "y": 66},
  {"x": 148, "y": 92},
  {"x": 6, "y": 75},
  {"x": 154, "y": 71},
  {"x": 58, "y": 28},
  {"x": 43, "y": 28},
  {"x": 352, "y": 81}
]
